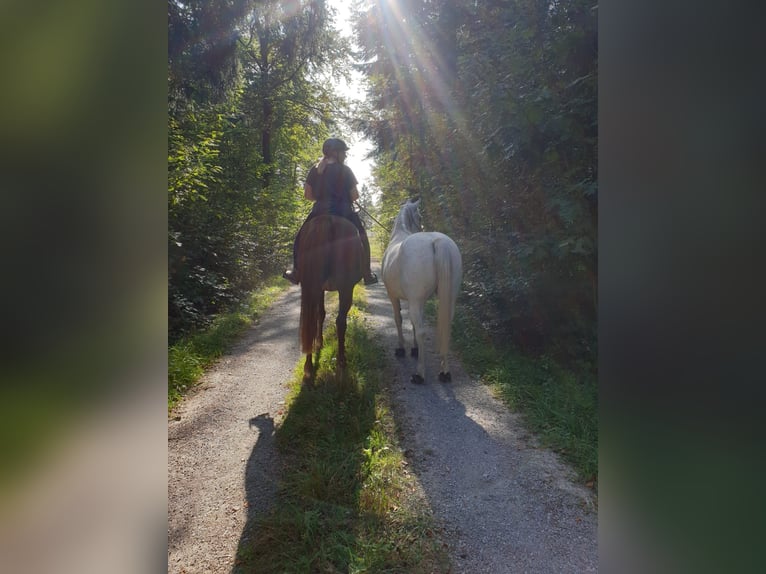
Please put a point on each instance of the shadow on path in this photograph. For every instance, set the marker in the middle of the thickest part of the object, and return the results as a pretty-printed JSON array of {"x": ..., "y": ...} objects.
[
  {"x": 260, "y": 482},
  {"x": 315, "y": 514},
  {"x": 506, "y": 506},
  {"x": 222, "y": 459}
]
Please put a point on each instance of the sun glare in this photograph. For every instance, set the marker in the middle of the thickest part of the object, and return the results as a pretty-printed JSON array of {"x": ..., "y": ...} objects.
[{"x": 354, "y": 90}]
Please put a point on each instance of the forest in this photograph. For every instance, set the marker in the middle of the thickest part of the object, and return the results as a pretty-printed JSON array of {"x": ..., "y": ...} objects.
[{"x": 485, "y": 110}]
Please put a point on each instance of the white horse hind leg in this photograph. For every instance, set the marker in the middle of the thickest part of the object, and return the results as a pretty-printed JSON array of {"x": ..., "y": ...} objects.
[
  {"x": 444, "y": 374},
  {"x": 416, "y": 317},
  {"x": 444, "y": 328},
  {"x": 414, "y": 351},
  {"x": 396, "y": 304}
]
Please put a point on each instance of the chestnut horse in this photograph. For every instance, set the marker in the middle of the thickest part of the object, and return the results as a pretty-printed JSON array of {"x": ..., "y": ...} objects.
[{"x": 329, "y": 259}]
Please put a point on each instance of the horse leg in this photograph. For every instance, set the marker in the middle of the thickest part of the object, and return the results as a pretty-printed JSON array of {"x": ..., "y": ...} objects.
[
  {"x": 416, "y": 317},
  {"x": 344, "y": 304},
  {"x": 444, "y": 374},
  {"x": 320, "y": 326},
  {"x": 308, "y": 369},
  {"x": 397, "y": 305}
]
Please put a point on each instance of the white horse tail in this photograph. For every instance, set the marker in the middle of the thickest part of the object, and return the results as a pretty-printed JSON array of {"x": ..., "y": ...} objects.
[{"x": 449, "y": 274}]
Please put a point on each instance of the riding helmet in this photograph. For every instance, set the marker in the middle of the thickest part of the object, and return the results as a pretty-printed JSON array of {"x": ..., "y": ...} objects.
[{"x": 333, "y": 144}]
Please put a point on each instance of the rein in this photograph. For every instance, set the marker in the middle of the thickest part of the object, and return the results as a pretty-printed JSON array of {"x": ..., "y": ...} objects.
[{"x": 371, "y": 217}]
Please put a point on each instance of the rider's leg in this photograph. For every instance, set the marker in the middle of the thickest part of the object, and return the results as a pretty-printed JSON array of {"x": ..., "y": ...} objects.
[{"x": 369, "y": 276}]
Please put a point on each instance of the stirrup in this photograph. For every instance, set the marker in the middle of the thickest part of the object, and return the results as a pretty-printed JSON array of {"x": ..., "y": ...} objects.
[
  {"x": 290, "y": 275},
  {"x": 371, "y": 280}
]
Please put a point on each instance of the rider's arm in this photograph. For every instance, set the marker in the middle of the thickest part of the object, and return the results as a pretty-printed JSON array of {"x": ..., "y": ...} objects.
[
  {"x": 308, "y": 190},
  {"x": 353, "y": 192}
]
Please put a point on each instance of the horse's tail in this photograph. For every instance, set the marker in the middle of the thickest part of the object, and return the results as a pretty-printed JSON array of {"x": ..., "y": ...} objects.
[
  {"x": 449, "y": 274},
  {"x": 311, "y": 272}
]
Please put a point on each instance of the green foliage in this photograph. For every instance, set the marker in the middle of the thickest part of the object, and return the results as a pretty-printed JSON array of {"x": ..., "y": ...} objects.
[
  {"x": 341, "y": 506},
  {"x": 488, "y": 112},
  {"x": 185, "y": 366},
  {"x": 248, "y": 107},
  {"x": 202, "y": 49}
]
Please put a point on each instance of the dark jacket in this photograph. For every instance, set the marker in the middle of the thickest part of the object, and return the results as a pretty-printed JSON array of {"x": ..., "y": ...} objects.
[{"x": 332, "y": 190}]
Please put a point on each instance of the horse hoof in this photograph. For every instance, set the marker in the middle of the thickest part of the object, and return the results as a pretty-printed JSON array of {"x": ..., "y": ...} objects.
[
  {"x": 417, "y": 380},
  {"x": 445, "y": 377},
  {"x": 399, "y": 352},
  {"x": 414, "y": 352}
]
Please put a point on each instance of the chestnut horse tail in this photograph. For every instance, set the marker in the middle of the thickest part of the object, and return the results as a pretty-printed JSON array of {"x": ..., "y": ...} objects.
[{"x": 311, "y": 270}]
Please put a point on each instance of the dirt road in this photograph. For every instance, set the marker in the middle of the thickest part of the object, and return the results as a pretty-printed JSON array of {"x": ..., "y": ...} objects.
[
  {"x": 505, "y": 505},
  {"x": 224, "y": 433}
]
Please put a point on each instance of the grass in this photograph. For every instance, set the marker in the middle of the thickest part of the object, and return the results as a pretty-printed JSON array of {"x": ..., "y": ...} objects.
[
  {"x": 346, "y": 502},
  {"x": 378, "y": 241},
  {"x": 559, "y": 405},
  {"x": 189, "y": 357}
]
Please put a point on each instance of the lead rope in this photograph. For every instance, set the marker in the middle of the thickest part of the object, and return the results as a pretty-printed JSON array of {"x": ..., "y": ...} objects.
[{"x": 371, "y": 217}]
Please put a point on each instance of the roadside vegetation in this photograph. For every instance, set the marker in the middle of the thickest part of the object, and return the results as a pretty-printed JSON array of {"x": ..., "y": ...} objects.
[
  {"x": 559, "y": 402},
  {"x": 347, "y": 501},
  {"x": 191, "y": 354}
]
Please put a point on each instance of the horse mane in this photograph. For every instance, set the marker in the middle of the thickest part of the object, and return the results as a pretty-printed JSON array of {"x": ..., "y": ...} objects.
[{"x": 409, "y": 218}]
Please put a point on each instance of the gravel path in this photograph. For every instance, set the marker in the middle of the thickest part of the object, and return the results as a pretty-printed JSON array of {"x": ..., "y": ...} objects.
[
  {"x": 224, "y": 433},
  {"x": 504, "y": 505}
]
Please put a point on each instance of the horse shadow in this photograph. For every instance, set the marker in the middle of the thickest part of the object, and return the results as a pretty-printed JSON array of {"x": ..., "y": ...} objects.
[
  {"x": 287, "y": 461},
  {"x": 261, "y": 481}
]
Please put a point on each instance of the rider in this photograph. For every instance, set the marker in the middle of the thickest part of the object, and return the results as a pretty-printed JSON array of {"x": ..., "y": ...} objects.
[{"x": 331, "y": 185}]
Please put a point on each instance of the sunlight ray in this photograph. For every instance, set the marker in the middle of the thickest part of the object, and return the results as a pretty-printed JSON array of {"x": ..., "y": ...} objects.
[{"x": 424, "y": 90}]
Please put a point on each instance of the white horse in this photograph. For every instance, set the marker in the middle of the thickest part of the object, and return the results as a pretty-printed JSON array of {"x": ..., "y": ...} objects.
[{"x": 417, "y": 264}]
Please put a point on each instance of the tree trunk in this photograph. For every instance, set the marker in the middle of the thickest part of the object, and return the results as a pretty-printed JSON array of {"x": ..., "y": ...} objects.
[
  {"x": 268, "y": 107},
  {"x": 268, "y": 112}
]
